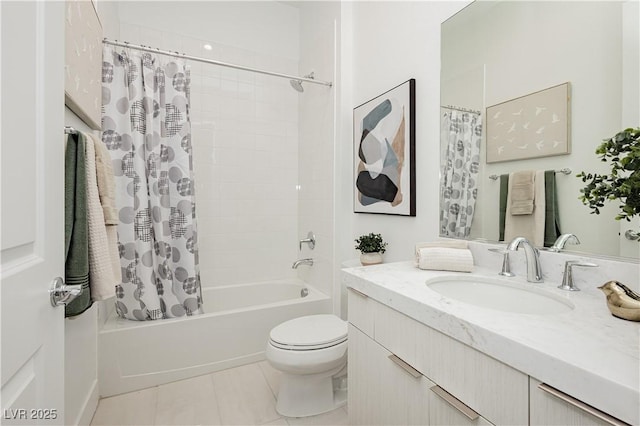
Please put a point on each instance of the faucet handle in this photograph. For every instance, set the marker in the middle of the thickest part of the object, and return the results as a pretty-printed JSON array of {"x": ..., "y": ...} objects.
[
  {"x": 506, "y": 264},
  {"x": 567, "y": 277},
  {"x": 311, "y": 240}
]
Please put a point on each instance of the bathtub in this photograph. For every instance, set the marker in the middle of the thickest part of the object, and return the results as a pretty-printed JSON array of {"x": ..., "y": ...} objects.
[{"x": 233, "y": 331}]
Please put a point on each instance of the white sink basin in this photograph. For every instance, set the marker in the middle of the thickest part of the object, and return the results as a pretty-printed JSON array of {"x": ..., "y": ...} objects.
[{"x": 499, "y": 295}]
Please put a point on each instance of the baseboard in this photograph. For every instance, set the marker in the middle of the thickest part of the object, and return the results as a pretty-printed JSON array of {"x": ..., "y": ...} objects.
[{"x": 89, "y": 407}]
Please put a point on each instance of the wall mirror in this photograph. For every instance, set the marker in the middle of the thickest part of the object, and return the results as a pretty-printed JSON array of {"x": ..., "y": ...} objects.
[{"x": 496, "y": 51}]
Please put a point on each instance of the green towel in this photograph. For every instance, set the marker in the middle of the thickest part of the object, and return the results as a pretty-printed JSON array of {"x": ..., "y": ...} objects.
[
  {"x": 551, "y": 214},
  {"x": 76, "y": 268},
  {"x": 504, "y": 190}
]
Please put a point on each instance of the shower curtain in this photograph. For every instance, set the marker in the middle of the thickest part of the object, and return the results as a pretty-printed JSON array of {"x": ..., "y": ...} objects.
[
  {"x": 147, "y": 130},
  {"x": 461, "y": 134}
]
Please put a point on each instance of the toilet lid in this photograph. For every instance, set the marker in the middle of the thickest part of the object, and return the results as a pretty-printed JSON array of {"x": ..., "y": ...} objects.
[{"x": 310, "y": 332}]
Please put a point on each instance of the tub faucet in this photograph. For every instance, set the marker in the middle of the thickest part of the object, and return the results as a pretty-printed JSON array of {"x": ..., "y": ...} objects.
[
  {"x": 299, "y": 262},
  {"x": 534, "y": 270},
  {"x": 562, "y": 240}
]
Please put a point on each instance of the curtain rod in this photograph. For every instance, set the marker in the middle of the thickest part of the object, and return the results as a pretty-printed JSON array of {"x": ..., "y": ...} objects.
[
  {"x": 213, "y": 62},
  {"x": 564, "y": 171},
  {"x": 460, "y": 108}
]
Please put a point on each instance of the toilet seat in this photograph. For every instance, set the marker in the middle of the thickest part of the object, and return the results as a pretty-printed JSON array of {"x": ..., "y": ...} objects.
[{"x": 309, "y": 333}]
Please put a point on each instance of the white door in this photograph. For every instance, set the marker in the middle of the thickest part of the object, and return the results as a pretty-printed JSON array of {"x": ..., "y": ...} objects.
[
  {"x": 630, "y": 238},
  {"x": 32, "y": 218}
]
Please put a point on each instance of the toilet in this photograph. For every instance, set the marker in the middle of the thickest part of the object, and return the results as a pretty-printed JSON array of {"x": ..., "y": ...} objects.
[{"x": 311, "y": 353}]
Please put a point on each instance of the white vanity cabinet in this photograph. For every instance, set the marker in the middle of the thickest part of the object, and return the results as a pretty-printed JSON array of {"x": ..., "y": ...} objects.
[
  {"x": 550, "y": 406},
  {"x": 402, "y": 372}
]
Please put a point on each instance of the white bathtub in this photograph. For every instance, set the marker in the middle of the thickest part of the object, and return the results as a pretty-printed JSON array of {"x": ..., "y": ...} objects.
[{"x": 233, "y": 331}]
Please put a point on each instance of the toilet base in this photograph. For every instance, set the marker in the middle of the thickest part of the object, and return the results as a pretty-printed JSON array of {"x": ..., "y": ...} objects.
[{"x": 309, "y": 395}]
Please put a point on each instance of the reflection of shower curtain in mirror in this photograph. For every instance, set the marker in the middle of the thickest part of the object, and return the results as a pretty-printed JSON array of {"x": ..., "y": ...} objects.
[
  {"x": 461, "y": 134},
  {"x": 146, "y": 128}
]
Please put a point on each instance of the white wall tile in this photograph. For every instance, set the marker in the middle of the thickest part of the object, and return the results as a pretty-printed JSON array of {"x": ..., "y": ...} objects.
[{"x": 130, "y": 33}]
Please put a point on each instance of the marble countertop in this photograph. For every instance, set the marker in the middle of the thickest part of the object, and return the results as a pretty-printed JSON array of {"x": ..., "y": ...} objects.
[{"x": 586, "y": 352}]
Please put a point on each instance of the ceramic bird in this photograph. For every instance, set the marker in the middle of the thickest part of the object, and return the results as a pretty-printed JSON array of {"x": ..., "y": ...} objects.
[{"x": 622, "y": 301}]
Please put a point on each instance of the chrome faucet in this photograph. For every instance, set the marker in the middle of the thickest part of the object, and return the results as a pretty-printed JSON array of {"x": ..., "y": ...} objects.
[
  {"x": 299, "y": 262},
  {"x": 534, "y": 270},
  {"x": 562, "y": 240}
]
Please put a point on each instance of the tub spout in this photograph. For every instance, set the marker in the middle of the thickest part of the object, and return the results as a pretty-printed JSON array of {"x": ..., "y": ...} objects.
[{"x": 302, "y": 262}]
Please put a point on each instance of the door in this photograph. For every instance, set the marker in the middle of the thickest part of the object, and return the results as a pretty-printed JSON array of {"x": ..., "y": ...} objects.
[
  {"x": 630, "y": 238},
  {"x": 32, "y": 217}
]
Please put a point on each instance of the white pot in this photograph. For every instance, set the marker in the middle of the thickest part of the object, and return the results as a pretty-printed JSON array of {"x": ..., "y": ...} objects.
[{"x": 370, "y": 258}]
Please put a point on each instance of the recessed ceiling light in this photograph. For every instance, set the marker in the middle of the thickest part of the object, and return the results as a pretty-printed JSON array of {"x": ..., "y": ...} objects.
[{"x": 207, "y": 47}]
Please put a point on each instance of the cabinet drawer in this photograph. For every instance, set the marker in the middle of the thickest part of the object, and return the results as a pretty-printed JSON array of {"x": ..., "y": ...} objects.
[
  {"x": 550, "y": 406},
  {"x": 361, "y": 311},
  {"x": 493, "y": 389}
]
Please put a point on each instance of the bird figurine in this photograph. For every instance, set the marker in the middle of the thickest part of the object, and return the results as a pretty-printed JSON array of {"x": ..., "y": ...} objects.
[{"x": 622, "y": 301}]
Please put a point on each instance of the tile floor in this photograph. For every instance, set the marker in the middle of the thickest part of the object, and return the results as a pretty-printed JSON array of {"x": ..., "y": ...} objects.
[{"x": 243, "y": 395}]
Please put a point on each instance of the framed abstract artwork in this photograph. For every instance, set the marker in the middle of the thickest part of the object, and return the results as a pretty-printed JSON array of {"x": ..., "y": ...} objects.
[
  {"x": 531, "y": 126},
  {"x": 384, "y": 153}
]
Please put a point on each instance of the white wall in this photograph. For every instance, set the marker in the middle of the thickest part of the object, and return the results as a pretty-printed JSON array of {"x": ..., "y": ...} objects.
[
  {"x": 391, "y": 43},
  {"x": 245, "y": 129}
]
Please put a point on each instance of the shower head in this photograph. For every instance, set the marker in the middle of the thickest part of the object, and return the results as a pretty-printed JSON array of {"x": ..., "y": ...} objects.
[{"x": 297, "y": 84}]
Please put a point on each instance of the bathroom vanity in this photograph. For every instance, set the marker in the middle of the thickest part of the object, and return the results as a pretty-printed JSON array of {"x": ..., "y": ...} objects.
[{"x": 418, "y": 357}]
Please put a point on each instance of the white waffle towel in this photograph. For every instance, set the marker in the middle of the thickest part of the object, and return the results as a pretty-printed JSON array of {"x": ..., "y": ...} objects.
[
  {"x": 101, "y": 274},
  {"x": 445, "y": 259},
  {"x": 457, "y": 244}
]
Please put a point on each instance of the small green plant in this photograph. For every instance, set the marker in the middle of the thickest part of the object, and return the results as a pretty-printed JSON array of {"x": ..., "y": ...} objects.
[
  {"x": 623, "y": 183},
  {"x": 371, "y": 243}
]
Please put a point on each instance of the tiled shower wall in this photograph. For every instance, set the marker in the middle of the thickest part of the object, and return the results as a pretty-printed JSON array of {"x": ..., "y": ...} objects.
[
  {"x": 316, "y": 147},
  {"x": 245, "y": 148},
  {"x": 245, "y": 135}
]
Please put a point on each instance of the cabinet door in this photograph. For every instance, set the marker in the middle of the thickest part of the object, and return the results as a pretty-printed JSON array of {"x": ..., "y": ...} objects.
[
  {"x": 500, "y": 393},
  {"x": 444, "y": 409},
  {"x": 382, "y": 389},
  {"x": 552, "y": 407}
]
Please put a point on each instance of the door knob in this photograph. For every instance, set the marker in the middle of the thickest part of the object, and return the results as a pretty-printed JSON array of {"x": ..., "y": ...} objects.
[
  {"x": 61, "y": 294},
  {"x": 631, "y": 235}
]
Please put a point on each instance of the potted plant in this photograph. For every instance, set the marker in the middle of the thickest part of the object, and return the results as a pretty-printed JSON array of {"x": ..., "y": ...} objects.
[
  {"x": 371, "y": 247},
  {"x": 623, "y": 183}
]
